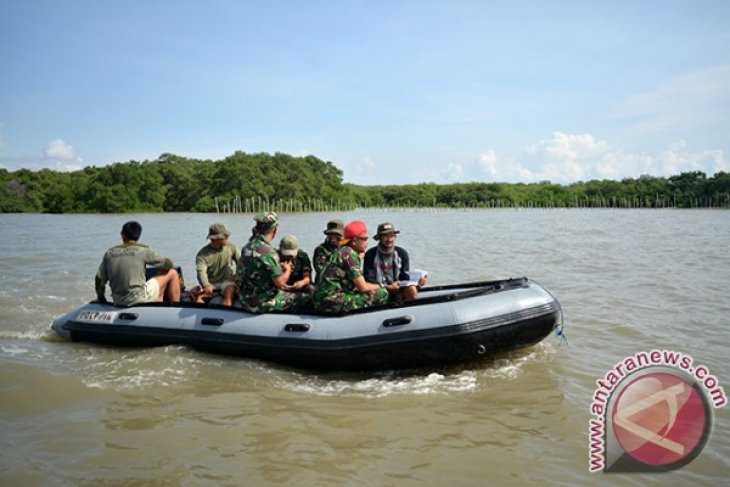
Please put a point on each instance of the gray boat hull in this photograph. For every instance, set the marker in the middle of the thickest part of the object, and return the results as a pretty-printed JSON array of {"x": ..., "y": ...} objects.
[{"x": 447, "y": 325}]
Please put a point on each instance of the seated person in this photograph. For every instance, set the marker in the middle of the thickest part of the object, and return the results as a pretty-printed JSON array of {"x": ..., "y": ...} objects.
[
  {"x": 388, "y": 264},
  {"x": 333, "y": 235},
  {"x": 262, "y": 278},
  {"x": 124, "y": 268},
  {"x": 342, "y": 287},
  {"x": 215, "y": 265},
  {"x": 289, "y": 251}
]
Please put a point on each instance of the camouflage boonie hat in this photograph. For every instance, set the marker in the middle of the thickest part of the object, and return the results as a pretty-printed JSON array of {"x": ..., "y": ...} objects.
[
  {"x": 266, "y": 220},
  {"x": 218, "y": 230}
]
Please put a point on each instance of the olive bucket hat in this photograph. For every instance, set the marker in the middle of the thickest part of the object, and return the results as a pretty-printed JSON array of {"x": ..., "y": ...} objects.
[
  {"x": 218, "y": 230},
  {"x": 335, "y": 226}
]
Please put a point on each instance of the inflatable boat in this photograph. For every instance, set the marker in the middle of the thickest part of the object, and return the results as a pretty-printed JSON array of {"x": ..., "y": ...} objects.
[{"x": 446, "y": 325}]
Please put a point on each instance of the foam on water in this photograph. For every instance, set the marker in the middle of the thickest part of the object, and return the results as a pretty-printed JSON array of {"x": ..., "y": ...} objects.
[
  {"x": 414, "y": 383},
  {"x": 13, "y": 350},
  {"x": 30, "y": 334},
  {"x": 133, "y": 371},
  {"x": 433, "y": 383},
  {"x": 138, "y": 379}
]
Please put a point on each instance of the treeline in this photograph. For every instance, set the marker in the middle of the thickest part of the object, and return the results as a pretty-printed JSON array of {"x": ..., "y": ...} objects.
[
  {"x": 173, "y": 183},
  {"x": 686, "y": 190},
  {"x": 254, "y": 182}
]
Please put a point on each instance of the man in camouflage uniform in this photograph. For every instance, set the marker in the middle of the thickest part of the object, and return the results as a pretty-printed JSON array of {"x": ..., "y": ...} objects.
[
  {"x": 262, "y": 277},
  {"x": 342, "y": 287},
  {"x": 333, "y": 235}
]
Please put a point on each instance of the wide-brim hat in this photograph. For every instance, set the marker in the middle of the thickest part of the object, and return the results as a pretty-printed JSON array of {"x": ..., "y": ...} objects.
[
  {"x": 335, "y": 226},
  {"x": 218, "y": 230},
  {"x": 385, "y": 229}
]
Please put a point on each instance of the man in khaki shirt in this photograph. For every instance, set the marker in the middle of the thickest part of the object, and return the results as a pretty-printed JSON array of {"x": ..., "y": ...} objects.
[
  {"x": 124, "y": 268},
  {"x": 216, "y": 265}
]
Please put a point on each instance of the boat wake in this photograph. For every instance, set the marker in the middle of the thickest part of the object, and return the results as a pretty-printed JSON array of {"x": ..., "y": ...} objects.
[
  {"x": 163, "y": 367},
  {"x": 415, "y": 382},
  {"x": 386, "y": 385},
  {"x": 176, "y": 367}
]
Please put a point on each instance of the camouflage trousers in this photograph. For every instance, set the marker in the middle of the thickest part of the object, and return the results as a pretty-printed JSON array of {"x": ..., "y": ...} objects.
[
  {"x": 342, "y": 302},
  {"x": 282, "y": 301}
]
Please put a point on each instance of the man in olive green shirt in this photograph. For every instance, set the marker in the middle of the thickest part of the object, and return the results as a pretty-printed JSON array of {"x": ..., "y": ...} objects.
[
  {"x": 124, "y": 268},
  {"x": 216, "y": 265}
]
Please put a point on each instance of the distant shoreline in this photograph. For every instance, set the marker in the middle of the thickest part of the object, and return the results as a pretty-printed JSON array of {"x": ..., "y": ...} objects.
[
  {"x": 383, "y": 210},
  {"x": 250, "y": 183}
]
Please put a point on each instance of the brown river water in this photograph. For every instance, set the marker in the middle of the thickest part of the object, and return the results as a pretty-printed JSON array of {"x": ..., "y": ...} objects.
[{"x": 74, "y": 414}]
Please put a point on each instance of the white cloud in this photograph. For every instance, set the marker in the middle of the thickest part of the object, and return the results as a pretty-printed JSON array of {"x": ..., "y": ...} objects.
[
  {"x": 452, "y": 172},
  {"x": 502, "y": 169},
  {"x": 61, "y": 156},
  {"x": 696, "y": 100},
  {"x": 58, "y": 155},
  {"x": 566, "y": 158},
  {"x": 563, "y": 157},
  {"x": 58, "y": 149},
  {"x": 616, "y": 164},
  {"x": 676, "y": 158}
]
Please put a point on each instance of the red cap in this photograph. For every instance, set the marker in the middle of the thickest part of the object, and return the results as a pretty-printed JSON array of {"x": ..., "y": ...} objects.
[{"x": 355, "y": 228}]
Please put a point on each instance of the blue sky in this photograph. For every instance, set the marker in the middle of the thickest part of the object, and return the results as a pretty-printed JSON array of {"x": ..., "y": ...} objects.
[{"x": 392, "y": 92}]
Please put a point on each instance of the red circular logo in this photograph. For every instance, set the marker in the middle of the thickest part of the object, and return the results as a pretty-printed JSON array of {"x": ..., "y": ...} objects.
[{"x": 660, "y": 419}]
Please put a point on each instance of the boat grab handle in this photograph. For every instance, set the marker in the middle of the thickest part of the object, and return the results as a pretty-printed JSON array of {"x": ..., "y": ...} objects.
[
  {"x": 212, "y": 321},
  {"x": 401, "y": 320},
  {"x": 297, "y": 327},
  {"x": 128, "y": 316}
]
